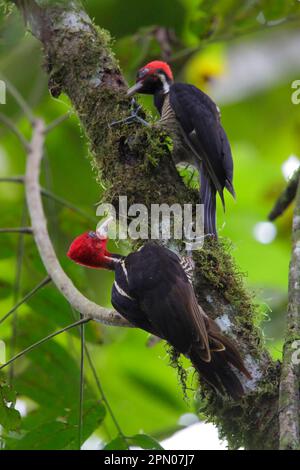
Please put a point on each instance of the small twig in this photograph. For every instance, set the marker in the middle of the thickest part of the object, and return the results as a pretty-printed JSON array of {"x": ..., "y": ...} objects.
[
  {"x": 26, "y": 230},
  {"x": 57, "y": 122},
  {"x": 10, "y": 125},
  {"x": 81, "y": 384},
  {"x": 101, "y": 391},
  {"x": 166, "y": 38},
  {"x": 12, "y": 179},
  {"x": 19, "y": 99},
  {"x": 17, "y": 285},
  {"x": 44, "y": 340},
  {"x": 289, "y": 408},
  {"x": 39, "y": 225},
  {"x": 286, "y": 197},
  {"x": 69, "y": 205},
  {"x": 26, "y": 297},
  {"x": 49, "y": 194},
  {"x": 98, "y": 384}
]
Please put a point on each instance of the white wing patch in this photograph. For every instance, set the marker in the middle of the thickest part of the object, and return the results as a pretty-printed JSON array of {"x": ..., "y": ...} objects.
[
  {"x": 123, "y": 266},
  {"x": 121, "y": 291}
]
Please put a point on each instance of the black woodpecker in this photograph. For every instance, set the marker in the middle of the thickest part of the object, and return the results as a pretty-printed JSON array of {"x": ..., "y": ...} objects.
[
  {"x": 192, "y": 120},
  {"x": 153, "y": 291}
]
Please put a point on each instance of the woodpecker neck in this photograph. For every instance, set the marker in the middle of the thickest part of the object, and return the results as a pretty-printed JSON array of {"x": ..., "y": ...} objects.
[
  {"x": 165, "y": 83},
  {"x": 109, "y": 261},
  {"x": 101, "y": 259},
  {"x": 159, "y": 98}
]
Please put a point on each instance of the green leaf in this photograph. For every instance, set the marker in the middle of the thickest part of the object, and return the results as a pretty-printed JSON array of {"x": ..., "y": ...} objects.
[
  {"x": 62, "y": 431},
  {"x": 9, "y": 417},
  {"x": 119, "y": 443},
  {"x": 5, "y": 289},
  {"x": 52, "y": 377},
  {"x": 145, "y": 442},
  {"x": 49, "y": 302}
]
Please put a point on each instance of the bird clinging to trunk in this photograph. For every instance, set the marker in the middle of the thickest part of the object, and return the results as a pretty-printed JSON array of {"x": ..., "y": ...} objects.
[
  {"x": 192, "y": 120},
  {"x": 153, "y": 291}
]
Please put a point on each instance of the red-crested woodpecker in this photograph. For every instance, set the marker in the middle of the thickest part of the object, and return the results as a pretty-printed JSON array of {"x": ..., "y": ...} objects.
[
  {"x": 153, "y": 291},
  {"x": 192, "y": 120}
]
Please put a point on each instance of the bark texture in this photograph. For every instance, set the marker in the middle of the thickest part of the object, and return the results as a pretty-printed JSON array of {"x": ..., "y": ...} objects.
[
  {"x": 136, "y": 162},
  {"x": 289, "y": 412}
]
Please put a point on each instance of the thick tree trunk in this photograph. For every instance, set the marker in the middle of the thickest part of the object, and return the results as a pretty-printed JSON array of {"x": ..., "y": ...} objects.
[{"x": 136, "y": 162}]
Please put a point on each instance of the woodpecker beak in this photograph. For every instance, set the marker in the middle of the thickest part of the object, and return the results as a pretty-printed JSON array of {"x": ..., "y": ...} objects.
[
  {"x": 102, "y": 229},
  {"x": 135, "y": 88}
]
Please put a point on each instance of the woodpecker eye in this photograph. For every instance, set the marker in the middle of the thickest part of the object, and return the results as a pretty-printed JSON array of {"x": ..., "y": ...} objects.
[
  {"x": 92, "y": 235},
  {"x": 142, "y": 73}
]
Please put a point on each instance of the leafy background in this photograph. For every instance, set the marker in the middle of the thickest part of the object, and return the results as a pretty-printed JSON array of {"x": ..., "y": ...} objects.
[{"x": 243, "y": 54}]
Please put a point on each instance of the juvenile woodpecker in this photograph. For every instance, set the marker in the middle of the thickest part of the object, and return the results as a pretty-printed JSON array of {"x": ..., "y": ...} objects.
[
  {"x": 192, "y": 120},
  {"x": 153, "y": 291}
]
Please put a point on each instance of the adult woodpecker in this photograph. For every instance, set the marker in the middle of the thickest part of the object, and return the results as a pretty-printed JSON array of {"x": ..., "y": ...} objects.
[
  {"x": 153, "y": 291},
  {"x": 192, "y": 119}
]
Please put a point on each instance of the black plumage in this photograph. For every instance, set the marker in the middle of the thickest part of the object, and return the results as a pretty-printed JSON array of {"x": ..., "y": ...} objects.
[
  {"x": 200, "y": 139},
  {"x": 152, "y": 291},
  {"x": 193, "y": 121}
]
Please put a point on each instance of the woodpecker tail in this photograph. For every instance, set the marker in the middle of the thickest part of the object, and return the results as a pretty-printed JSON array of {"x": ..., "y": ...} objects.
[
  {"x": 208, "y": 198},
  {"x": 217, "y": 371}
]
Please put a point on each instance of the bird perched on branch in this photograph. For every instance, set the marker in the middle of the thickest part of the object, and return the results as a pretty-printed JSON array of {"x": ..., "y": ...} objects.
[
  {"x": 192, "y": 120},
  {"x": 153, "y": 291}
]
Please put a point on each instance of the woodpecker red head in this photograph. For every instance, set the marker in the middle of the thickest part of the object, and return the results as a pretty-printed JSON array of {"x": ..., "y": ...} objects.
[
  {"x": 154, "y": 76},
  {"x": 89, "y": 249}
]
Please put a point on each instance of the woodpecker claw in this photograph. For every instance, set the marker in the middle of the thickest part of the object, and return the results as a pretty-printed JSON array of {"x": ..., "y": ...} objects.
[{"x": 134, "y": 116}]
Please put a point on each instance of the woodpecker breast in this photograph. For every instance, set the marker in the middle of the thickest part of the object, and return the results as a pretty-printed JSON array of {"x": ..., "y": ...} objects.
[
  {"x": 168, "y": 120},
  {"x": 169, "y": 123}
]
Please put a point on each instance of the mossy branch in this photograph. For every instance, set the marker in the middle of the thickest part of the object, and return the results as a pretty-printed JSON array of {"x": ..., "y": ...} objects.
[{"x": 136, "y": 162}]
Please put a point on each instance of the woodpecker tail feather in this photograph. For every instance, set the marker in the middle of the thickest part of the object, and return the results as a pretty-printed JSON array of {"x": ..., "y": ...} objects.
[
  {"x": 208, "y": 198},
  {"x": 218, "y": 371}
]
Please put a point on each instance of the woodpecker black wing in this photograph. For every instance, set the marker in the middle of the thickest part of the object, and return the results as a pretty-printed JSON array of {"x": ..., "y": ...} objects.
[
  {"x": 126, "y": 304},
  {"x": 152, "y": 291},
  {"x": 199, "y": 118},
  {"x": 166, "y": 301}
]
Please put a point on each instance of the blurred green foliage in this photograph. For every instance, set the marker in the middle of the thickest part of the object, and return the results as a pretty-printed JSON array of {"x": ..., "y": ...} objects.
[{"x": 263, "y": 127}]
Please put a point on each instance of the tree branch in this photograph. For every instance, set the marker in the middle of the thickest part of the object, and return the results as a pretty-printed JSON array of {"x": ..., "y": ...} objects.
[
  {"x": 39, "y": 227},
  {"x": 289, "y": 412},
  {"x": 26, "y": 230},
  {"x": 43, "y": 283},
  {"x": 10, "y": 125},
  {"x": 48, "y": 194},
  {"x": 43, "y": 340}
]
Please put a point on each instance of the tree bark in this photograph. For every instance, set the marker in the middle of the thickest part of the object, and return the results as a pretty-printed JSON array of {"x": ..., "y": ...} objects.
[
  {"x": 289, "y": 411},
  {"x": 136, "y": 162}
]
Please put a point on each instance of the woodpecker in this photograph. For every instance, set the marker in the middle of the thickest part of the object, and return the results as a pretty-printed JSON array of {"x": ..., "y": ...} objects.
[
  {"x": 192, "y": 120},
  {"x": 153, "y": 291}
]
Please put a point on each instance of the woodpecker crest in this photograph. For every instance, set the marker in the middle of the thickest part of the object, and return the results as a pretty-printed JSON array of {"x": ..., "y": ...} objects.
[{"x": 154, "y": 77}]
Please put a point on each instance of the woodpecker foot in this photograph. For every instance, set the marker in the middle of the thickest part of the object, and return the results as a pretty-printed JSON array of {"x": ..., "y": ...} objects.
[{"x": 134, "y": 116}]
